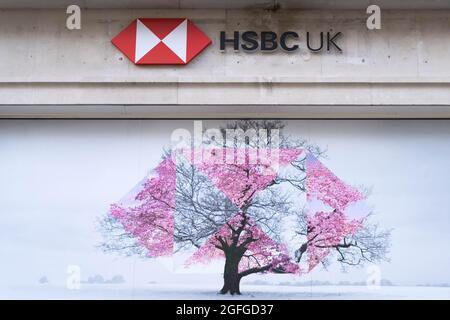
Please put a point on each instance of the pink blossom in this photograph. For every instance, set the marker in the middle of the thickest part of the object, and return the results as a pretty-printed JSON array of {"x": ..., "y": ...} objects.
[
  {"x": 322, "y": 184},
  {"x": 151, "y": 221},
  {"x": 262, "y": 252},
  {"x": 326, "y": 230},
  {"x": 150, "y": 216},
  {"x": 240, "y": 181}
]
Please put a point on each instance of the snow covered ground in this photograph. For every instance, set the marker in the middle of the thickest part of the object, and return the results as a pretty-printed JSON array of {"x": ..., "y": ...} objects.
[{"x": 189, "y": 292}]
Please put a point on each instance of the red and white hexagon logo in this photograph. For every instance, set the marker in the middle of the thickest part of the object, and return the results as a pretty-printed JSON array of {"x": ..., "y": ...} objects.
[{"x": 161, "y": 41}]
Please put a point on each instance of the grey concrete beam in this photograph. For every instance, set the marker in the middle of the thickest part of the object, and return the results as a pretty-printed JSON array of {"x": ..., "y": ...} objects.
[
  {"x": 218, "y": 111},
  {"x": 227, "y": 94}
]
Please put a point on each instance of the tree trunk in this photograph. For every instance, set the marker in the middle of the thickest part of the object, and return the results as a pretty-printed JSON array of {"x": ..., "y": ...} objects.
[
  {"x": 231, "y": 284},
  {"x": 231, "y": 277}
]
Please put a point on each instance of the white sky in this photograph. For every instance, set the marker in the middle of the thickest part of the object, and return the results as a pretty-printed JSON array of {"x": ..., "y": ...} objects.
[{"x": 58, "y": 177}]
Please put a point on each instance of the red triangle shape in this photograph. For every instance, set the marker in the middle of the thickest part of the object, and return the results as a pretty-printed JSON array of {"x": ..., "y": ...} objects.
[
  {"x": 196, "y": 41},
  {"x": 125, "y": 41},
  {"x": 161, "y": 27},
  {"x": 160, "y": 54}
]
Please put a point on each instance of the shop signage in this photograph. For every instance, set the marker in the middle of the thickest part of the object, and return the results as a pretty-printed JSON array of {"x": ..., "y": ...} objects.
[{"x": 178, "y": 41}]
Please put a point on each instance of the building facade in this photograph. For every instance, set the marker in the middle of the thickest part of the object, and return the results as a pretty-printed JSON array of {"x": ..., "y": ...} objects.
[
  {"x": 400, "y": 70},
  {"x": 93, "y": 94}
]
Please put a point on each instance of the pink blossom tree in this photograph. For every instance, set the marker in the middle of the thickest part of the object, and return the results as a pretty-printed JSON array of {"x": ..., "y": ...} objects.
[{"x": 234, "y": 211}]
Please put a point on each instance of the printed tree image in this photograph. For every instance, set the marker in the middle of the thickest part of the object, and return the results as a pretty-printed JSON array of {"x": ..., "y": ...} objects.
[
  {"x": 354, "y": 241},
  {"x": 198, "y": 201}
]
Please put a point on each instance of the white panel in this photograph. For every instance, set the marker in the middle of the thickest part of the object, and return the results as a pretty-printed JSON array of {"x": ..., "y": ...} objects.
[
  {"x": 177, "y": 40},
  {"x": 146, "y": 40}
]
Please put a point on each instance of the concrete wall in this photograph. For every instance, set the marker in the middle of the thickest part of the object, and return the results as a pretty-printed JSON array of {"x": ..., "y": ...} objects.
[{"x": 377, "y": 74}]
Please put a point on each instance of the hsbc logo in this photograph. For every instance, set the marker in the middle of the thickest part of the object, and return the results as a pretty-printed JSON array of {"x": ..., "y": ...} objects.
[{"x": 161, "y": 41}]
